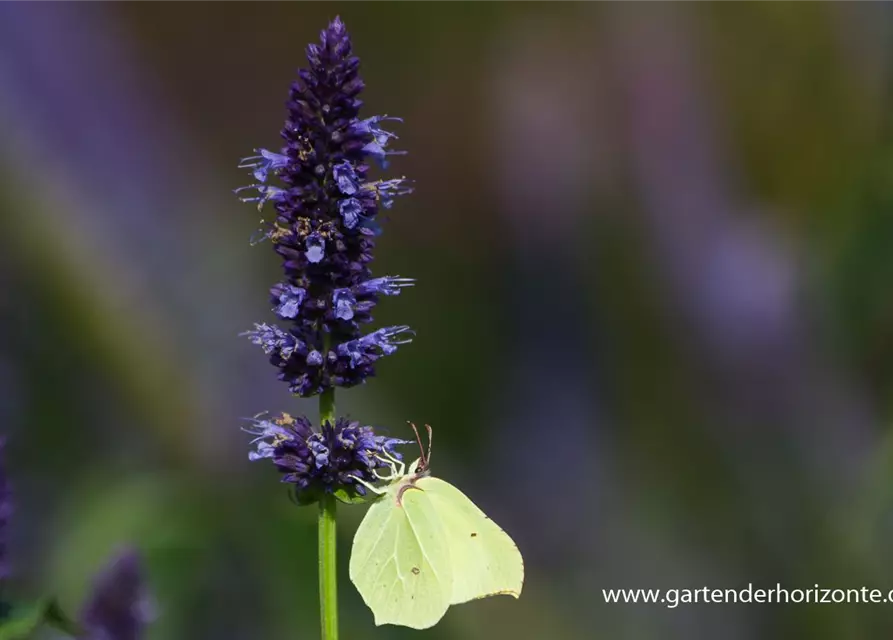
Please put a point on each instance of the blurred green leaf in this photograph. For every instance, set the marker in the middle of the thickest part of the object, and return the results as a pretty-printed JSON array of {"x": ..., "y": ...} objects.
[
  {"x": 55, "y": 617},
  {"x": 25, "y": 620}
]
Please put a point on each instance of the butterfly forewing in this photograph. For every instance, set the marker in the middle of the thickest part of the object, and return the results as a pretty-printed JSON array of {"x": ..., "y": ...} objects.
[{"x": 400, "y": 561}]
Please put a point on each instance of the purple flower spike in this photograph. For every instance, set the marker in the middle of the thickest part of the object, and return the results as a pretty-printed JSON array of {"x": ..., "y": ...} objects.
[{"x": 325, "y": 226}]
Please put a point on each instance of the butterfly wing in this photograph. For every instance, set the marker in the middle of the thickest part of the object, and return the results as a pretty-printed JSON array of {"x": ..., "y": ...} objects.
[
  {"x": 485, "y": 560},
  {"x": 400, "y": 561}
]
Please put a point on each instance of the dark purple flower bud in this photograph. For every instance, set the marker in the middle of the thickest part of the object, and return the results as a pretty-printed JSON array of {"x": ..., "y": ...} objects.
[
  {"x": 265, "y": 163},
  {"x": 119, "y": 606},
  {"x": 323, "y": 461}
]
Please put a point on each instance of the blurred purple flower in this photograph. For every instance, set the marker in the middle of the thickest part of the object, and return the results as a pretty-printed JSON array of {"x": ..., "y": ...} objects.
[
  {"x": 5, "y": 514},
  {"x": 119, "y": 606}
]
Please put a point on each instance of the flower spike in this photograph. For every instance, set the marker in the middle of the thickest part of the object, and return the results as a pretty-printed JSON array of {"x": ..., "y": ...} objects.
[{"x": 326, "y": 222}]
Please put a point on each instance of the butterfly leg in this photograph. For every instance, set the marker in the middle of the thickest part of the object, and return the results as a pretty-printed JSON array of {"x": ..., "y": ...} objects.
[
  {"x": 395, "y": 463},
  {"x": 392, "y": 463},
  {"x": 371, "y": 487},
  {"x": 386, "y": 477}
]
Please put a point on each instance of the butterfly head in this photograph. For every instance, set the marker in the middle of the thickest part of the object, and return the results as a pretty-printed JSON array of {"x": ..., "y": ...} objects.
[
  {"x": 418, "y": 468},
  {"x": 423, "y": 463}
]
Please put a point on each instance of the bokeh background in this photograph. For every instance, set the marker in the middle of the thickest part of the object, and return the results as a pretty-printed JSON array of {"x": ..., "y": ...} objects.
[{"x": 654, "y": 246}]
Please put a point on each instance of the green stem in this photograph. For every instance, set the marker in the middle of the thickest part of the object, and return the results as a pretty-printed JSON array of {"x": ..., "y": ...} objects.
[
  {"x": 328, "y": 561},
  {"x": 327, "y": 406}
]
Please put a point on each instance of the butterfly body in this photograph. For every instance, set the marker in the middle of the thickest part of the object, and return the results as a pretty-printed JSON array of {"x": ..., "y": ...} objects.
[{"x": 424, "y": 546}]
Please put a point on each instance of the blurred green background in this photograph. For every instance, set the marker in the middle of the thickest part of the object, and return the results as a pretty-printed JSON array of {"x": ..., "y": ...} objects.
[{"x": 654, "y": 246}]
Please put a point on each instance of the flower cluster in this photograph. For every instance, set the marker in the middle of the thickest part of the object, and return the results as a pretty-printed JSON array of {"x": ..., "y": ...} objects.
[
  {"x": 325, "y": 226},
  {"x": 337, "y": 456}
]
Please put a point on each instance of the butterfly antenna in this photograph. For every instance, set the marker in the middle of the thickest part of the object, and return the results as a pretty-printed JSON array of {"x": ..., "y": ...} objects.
[
  {"x": 430, "y": 441},
  {"x": 418, "y": 439}
]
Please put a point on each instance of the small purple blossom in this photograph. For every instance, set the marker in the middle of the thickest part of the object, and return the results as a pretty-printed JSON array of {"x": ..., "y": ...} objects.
[
  {"x": 388, "y": 285},
  {"x": 265, "y": 193},
  {"x": 274, "y": 341},
  {"x": 345, "y": 303},
  {"x": 290, "y": 298},
  {"x": 351, "y": 211},
  {"x": 356, "y": 303},
  {"x": 376, "y": 148},
  {"x": 316, "y": 248},
  {"x": 263, "y": 430},
  {"x": 321, "y": 461},
  {"x": 265, "y": 163},
  {"x": 369, "y": 348},
  {"x": 346, "y": 178},
  {"x": 387, "y": 190},
  {"x": 369, "y": 126},
  {"x": 119, "y": 607}
]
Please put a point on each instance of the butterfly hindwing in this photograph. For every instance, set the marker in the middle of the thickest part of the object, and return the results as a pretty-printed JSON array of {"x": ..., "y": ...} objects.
[{"x": 485, "y": 561}]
